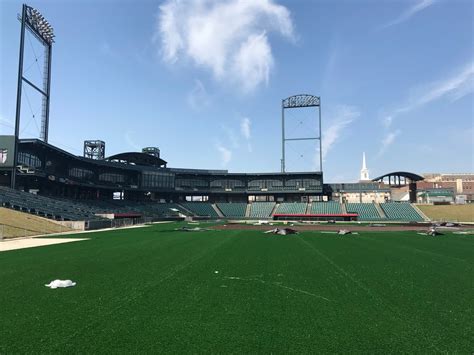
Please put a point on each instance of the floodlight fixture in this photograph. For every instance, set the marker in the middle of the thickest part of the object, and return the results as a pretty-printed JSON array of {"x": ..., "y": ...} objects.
[{"x": 37, "y": 24}]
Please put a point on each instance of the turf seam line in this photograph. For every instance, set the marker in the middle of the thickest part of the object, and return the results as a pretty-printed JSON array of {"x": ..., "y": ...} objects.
[
  {"x": 377, "y": 298},
  {"x": 126, "y": 301},
  {"x": 373, "y": 239},
  {"x": 277, "y": 285}
]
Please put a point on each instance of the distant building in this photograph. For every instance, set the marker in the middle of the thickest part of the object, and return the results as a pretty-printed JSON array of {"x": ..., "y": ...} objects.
[{"x": 437, "y": 185}]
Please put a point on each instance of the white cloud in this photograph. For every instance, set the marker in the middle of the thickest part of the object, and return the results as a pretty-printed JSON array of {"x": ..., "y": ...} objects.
[
  {"x": 225, "y": 153},
  {"x": 253, "y": 62},
  {"x": 6, "y": 126},
  {"x": 198, "y": 98},
  {"x": 228, "y": 38},
  {"x": 455, "y": 87},
  {"x": 131, "y": 142},
  {"x": 387, "y": 121},
  {"x": 452, "y": 88},
  {"x": 343, "y": 117},
  {"x": 232, "y": 136},
  {"x": 7, "y": 122},
  {"x": 245, "y": 125},
  {"x": 388, "y": 140},
  {"x": 410, "y": 12}
]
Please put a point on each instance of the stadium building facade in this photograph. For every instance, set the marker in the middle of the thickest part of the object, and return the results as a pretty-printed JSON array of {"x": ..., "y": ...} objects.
[{"x": 49, "y": 170}]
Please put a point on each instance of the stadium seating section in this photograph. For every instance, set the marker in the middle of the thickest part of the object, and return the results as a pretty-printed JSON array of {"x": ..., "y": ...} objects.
[
  {"x": 291, "y": 208},
  {"x": 64, "y": 209},
  {"x": 233, "y": 209},
  {"x": 366, "y": 211},
  {"x": 400, "y": 211},
  {"x": 261, "y": 209},
  {"x": 45, "y": 206},
  {"x": 326, "y": 208},
  {"x": 200, "y": 209}
]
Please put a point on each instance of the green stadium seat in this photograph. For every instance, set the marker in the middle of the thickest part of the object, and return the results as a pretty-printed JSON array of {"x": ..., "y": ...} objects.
[
  {"x": 233, "y": 209},
  {"x": 366, "y": 211},
  {"x": 291, "y": 208},
  {"x": 203, "y": 209},
  {"x": 261, "y": 209},
  {"x": 326, "y": 208},
  {"x": 401, "y": 211}
]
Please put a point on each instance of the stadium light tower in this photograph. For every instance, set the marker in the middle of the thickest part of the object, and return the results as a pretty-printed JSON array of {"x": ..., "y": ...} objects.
[
  {"x": 32, "y": 20},
  {"x": 300, "y": 101}
]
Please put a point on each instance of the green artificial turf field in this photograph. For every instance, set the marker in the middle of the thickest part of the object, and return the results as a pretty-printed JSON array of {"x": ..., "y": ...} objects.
[{"x": 156, "y": 290}]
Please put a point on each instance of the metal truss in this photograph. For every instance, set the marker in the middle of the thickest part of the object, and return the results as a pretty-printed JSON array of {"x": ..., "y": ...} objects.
[{"x": 94, "y": 149}]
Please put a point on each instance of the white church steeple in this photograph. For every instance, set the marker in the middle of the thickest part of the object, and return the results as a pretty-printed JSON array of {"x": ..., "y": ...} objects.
[{"x": 364, "y": 172}]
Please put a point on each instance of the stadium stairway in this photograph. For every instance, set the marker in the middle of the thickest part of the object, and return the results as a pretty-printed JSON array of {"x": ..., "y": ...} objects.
[
  {"x": 380, "y": 211},
  {"x": 218, "y": 211},
  {"x": 233, "y": 209},
  {"x": 261, "y": 209},
  {"x": 343, "y": 208},
  {"x": 275, "y": 208},
  {"x": 202, "y": 209},
  {"x": 308, "y": 208},
  {"x": 187, "y": 210},
  {"x": 420, "y": 212},
  {"x": 247, "y": 210}
]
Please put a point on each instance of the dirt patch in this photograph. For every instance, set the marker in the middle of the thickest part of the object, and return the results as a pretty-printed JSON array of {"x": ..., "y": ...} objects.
[{"x": 329, "y": 227}]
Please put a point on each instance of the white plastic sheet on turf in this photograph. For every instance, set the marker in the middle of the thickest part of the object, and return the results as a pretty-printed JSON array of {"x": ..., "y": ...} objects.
[{"x": 61, "y": 283}]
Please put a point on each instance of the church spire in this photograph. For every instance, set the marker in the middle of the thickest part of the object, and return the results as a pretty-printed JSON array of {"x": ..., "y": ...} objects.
[{"x": 364, "y": 172}]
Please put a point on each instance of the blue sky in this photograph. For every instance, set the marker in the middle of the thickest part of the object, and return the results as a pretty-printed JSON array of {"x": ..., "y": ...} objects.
[{"x": 203, "y": 80}]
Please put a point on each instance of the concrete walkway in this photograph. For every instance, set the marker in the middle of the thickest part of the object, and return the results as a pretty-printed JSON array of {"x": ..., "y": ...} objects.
[{"x": 34, "y": 242}]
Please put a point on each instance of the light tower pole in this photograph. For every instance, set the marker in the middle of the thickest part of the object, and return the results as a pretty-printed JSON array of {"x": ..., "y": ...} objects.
[
  {"x": 300, "y": 101},
  {"x": 32, "y": 20}
]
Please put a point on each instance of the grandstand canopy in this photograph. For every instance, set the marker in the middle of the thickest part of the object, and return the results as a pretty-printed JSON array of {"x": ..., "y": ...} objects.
[
  {"x": 137, "y": 158},
  {"x": 398, "y": 178}
]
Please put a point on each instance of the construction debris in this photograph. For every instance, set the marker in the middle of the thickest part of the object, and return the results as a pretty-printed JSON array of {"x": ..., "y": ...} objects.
[
  {"x": 282, "y": 231},
  {"x": 344, "y": 232},
  {"x": 60, "y": 284},
  {"x": 447, "y": 224},
  {"x": 195, "y": 229},
  {"x": 432, "y": 232}
]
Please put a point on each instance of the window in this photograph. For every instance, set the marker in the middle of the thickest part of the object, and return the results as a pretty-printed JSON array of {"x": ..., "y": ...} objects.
[
  {"x": 113, "y": 178},
  {"x": 81, "y": 173},
  {"x": 227, "y": 183},
  {"x": 303, "y": 183},
  {"x": 157, "y": 179},
  {"x": 191, "y": 183},
  {"x": 265, "y": 184},
  {"x": 29, "y": 160}
]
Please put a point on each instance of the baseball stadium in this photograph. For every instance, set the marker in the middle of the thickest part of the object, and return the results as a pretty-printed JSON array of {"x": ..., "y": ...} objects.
[{"x": 182, "y": 260}]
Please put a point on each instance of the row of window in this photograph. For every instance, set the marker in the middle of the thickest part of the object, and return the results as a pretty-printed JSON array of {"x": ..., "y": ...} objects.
[
  {"x": 29, "y": 160},
  {"x": 157, "y": 179},
  {"x": 253, "y": 184},
  {"x": 153, "y": 179}
]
